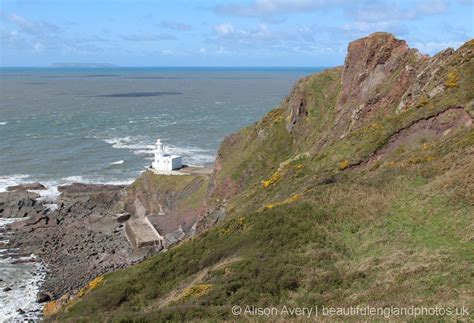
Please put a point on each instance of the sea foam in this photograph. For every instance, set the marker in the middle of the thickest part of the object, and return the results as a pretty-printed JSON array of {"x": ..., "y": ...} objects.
[
  {"x": 144, "y": 147},
  {"x": 50, "y": 194},
  {"x": 12, "y": 180},
  {"x": 25, "y": 280}
]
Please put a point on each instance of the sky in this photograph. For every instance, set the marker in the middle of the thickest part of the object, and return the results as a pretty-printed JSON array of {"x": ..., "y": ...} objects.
[{"x": 219, "y": 33}]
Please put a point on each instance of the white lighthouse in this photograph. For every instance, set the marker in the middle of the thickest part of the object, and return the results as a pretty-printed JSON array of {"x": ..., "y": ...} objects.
[{"x": 165, "y": 162}]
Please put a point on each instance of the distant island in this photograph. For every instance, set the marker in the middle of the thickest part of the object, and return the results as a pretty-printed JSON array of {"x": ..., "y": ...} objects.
[{"x": 73, "y": 64}]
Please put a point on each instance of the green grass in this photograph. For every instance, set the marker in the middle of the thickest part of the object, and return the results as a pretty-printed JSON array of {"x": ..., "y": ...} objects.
[
  {"x": 362, "y": 240},
  {"x": 176, "y": 192},
  {"x": 396, "y": 232}
]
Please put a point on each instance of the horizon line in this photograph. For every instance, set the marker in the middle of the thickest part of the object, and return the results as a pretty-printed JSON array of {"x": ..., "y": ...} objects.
[{"x": 170, "y": 66}]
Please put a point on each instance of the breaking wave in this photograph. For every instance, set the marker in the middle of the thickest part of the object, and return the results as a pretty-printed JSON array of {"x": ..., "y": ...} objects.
[
  {"x": 144, "y": 147},
  {"x": 24, "y": 279},
  {"x": 11, "y": 180}
]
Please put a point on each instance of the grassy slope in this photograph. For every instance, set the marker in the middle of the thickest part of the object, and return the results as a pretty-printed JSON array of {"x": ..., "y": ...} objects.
[
  {"x": 395, "y": 233},
  {"x": 181, "y": 192},
  {"x": 390, "y": 238}
]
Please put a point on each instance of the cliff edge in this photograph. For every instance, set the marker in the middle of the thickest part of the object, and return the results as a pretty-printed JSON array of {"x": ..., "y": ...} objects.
[{"x": 356, "y": 191}]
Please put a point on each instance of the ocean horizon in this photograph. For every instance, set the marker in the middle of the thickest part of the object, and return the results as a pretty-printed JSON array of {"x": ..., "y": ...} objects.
[{"x": 97, "y": 124}]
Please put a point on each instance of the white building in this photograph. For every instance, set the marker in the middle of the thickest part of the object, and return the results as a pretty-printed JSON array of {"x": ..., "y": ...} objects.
[{"x": 165, "y": 162}]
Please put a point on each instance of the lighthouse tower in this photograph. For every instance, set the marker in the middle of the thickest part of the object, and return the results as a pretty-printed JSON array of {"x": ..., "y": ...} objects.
[
  {"x": 165, "y": 162},
  {"x": 160, "y": 150}
]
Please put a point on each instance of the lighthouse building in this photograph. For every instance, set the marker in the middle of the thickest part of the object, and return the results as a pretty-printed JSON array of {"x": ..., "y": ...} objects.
[{"x": 165, "y": 162}]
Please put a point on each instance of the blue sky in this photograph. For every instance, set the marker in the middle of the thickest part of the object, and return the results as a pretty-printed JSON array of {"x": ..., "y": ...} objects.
[{"x": 219, "y": 33}]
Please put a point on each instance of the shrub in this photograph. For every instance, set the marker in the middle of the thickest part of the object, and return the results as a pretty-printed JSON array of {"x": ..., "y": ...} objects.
[
  {"x": 376, "y": 126},
  {"x": 299, "y": 166},
  {"x": 194, "y": 292},
  {"x": 293, "y": 198},
  {"x": 51, "y": 308},
  {"x": 90, "y": 286},
  {"x": 343, "y": 164},
  {"x": 422, "y": 101},
  {"x": 235, "y": 225},
  {"x": 65, "y": 301},
  {"x": 273, "y": 179},
  {"x": 452, "y": 79}
]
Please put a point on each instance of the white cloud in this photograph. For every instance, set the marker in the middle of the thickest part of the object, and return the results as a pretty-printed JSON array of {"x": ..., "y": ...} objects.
[
  {"x": 273, "y": 7},
  {"x": 224, "y": 29},
  {"x": 38, "y": 47},
  {"x": 362, "y": 28},
  {"x": 378, "y": 11},
  {"x": 8, "y": 36},
  {"x": 172, "y": 25},
  {"x": 319, "y": 50},
  {"x": 434, "y": 47},
  {"x": 434, "y": 7},
  {"x": 145, "y": 37},
  {"x": 228, "y": 33},
  {"x": 38, "y": 37},
  {"x": 222, "y": 51},
  {"x": 230, "y": 38},
  {"x": 31, "y": 27},
  {"x": 167, "y": 52}
]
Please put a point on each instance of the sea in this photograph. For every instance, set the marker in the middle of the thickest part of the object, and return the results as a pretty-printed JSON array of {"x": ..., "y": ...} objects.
[{"x": 98, "y": 125}]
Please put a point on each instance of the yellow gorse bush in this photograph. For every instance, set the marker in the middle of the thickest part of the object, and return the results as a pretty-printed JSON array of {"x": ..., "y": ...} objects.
[
  {"x": 55, "y": 306},
  {"x": 273, "y": 179},
  {"x": 90, "y": 286},
  {"x": 343, "y": 164},
  {"x": 194, "y": 292},
  {"x": 452, "y": 79},
  {"x": 293, "y": 198},
  {"x": 51, "y": 308}
]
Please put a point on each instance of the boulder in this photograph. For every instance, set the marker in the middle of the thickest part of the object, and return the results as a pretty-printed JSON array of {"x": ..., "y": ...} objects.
[
  {"x": 122, "y": 217},
  {"x": 19, "y": 203},
  {"x": 26, "y": 187},
  {"x": 43, "y": 297}
]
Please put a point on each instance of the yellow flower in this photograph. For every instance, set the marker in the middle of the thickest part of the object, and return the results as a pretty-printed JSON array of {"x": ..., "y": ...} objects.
[{"x": 343, "y": 164}]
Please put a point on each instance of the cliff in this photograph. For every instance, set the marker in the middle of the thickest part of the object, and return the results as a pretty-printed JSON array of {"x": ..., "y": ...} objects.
[
  {"x": 356, "y": 190},
  {"x": 173, "y": 203}
]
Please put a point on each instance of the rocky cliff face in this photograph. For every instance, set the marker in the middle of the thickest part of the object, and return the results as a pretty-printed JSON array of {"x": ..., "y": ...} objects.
[
  {"x": 356, "y": 190},
  {"x": 376, "y": 73},
  {"x": 171, "y": 203},
  {"x": 382, "y": 86}
]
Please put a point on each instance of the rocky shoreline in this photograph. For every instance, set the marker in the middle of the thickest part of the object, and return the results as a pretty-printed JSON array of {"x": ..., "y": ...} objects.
[
  {"x": 21, "y": 279},
  {"x": 86, "y": 230},
  {"x": 78, "y": 236}
]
